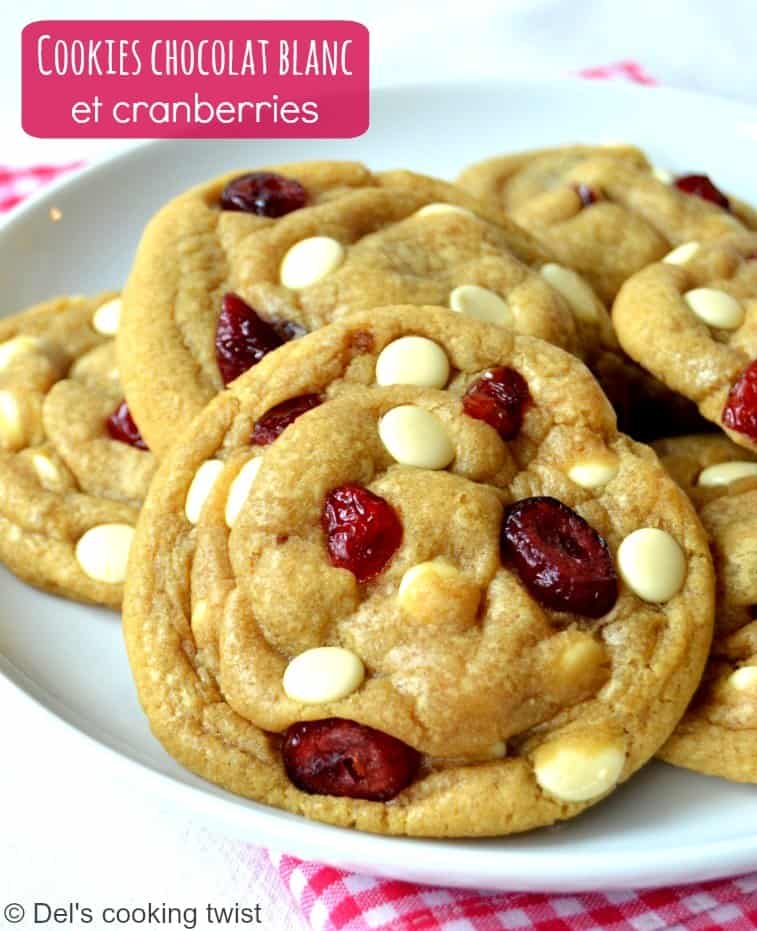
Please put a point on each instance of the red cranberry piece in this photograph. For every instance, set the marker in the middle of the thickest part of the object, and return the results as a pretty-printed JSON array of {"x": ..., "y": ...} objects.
[
  {"x": 740, "y": 411},
  {"x": 242, "y": 338},
  {"x": 273, "y": 423},
  {"x": 587, "y": 195},
  {"x": 263, "y": 193},
  {"x": 701, "y": 186},
  {"x": 500, "y": 398},
  {"x": 339, "y": 757},
  {"x": 362, "y": 530},
  {"x": 121, "y": 427},
  {"x": 563, "y": 562}
]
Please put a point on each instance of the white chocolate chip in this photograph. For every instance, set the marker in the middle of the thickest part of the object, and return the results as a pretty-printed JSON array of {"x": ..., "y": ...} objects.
[
  {"x": 13, "y": 432},
  {"x": 202, "y": 622},
  {"x": 240, "y": 489},
  {"x": 574, "y": 289},
  {"x": 481, "y": 304},
  {"x": 682, "y": 254},
  {"x": 415, "y": 437},
  {"x": 498, "y": 750},
  {"x": 431, "y": 209},
  {"x": 715, "y": 308},
  {"x": 20, "y": 345},
  {"x": 323, "y": 674},
  {"x": 202, "y": 485},
  {"x": 593, "y": 473},
  {"x": 744, "y": 679},
  {"x": 309, "y": 260},
  {"x": 437, "y": 592},
  {"x": 413, "y": 360},
  {"x": 577, "y": 667},
  {"x": 652, "y": 564},
  {"x": 577, "y": 770},
  {"x": 582, "y": 655},
  {"x": 107, "y": 317},
  {"x": 723, "y": 473},
  {"x": 199, "y": 610},
  {"x": 103, "y": 552},
  {"x": 46, "y": 469},
  {"x": 663, "y": 175}
]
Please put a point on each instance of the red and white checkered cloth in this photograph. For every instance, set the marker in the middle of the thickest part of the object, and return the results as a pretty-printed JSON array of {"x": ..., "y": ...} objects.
[
  {"x": 333, "y": 900},
  {"x": 18, "y": 183}
]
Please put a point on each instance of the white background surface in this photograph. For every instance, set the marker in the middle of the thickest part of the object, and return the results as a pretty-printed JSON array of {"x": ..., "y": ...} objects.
[{"x": 66, "y": 834}]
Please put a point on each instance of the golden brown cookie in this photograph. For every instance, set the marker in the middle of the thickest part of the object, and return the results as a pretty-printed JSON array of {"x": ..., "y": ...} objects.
[
  {"x": 602, "y": 210},
  {"x": 718, "y": 734},
  {"x": 212, "y": 290},
  {"x": 515, "y": 600},
  {"x": 73, "y": 468},
  {"x": 692, "y": 322}
]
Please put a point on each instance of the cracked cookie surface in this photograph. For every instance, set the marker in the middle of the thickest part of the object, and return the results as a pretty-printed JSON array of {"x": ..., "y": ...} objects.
[
  {"x": 397, "y": 577},
  {"x": 358, "y": 241},
  {"x": 602, "y": 210},
  {"x": 70, "y": 491}
]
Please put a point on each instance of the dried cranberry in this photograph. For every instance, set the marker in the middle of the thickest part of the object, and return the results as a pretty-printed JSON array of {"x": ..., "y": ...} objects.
[
  {"x": 500, "y": 398},
  {"x": 273, "y": 423},
  {"x": 263, "y": 193},
  {"x": 339, "y": 757},
  {"x": 121, "y": 427},
  {"x": 701, "y": 186},
  {"x": 242, "y": 338},
  {"x": 362, "y": 530},
  {"x": 740, "y": 411},
  {"x": 587, "y": 195},
  {"x": 563, "y": 562}
]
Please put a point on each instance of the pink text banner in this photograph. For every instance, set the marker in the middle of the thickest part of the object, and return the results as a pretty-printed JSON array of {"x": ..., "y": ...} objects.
[{"x": 195, "y": 79}]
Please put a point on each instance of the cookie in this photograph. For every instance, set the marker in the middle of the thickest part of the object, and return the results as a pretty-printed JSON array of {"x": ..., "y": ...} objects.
[
  {"x": 212, "y": 290},
  {"x": 718, "y": 734},
  {"x": 692, "y": 322},
  {"x": 73, "y": 468},
  {"x": 405, "y": 575},
  {"x": 602, "y": 210}
]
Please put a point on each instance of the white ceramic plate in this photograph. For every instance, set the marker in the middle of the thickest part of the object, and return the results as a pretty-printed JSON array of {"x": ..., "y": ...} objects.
[{"x": 667, "y": 825}]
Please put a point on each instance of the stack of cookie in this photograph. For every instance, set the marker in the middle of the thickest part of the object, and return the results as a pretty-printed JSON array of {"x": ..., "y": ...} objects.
[{"x": 397, "y": 568}]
